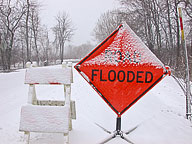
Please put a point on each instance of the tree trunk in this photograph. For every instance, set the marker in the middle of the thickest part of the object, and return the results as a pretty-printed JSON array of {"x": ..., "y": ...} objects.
[
  {"x": 9, "y": 52},
  {"x": 27, "y": 31},
  {"x": 178, "y": 37},
  {"x": 170, "y": 34}
]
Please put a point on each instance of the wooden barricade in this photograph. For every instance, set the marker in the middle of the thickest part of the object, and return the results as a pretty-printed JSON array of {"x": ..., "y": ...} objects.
[{"x": 48, "y": 116}]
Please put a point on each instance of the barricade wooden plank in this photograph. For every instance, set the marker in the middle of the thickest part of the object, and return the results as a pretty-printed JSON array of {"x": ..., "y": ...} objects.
[
  {"x": 41, "y": 75},
  {"x": 45, "y": 119}
]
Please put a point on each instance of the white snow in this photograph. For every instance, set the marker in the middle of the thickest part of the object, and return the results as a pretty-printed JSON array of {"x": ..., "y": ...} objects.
[
  {"x": 44, "y": 118},
  {"x": 160, "y": 114},
  {"x": 44, "y": 75}
]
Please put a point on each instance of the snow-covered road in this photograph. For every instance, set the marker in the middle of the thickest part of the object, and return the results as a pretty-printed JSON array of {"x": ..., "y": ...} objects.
[{"x": 160, "y": 114}]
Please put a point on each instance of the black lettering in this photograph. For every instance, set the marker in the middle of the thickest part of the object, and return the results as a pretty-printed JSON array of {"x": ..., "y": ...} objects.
[
  {"x": 148, "y": 78},
  {"x": 127, "y": 57},
  {"x": 123, "y": 76},
  {"x": 108, "y": 54},
  {"x": 101, "y": 74},
  {"x": 120, "y": 56},
  {"x": 110, "y": 77},
  {"x": 93, "y": 74},
  {"x": 139, "y": 77},
  {"x": 129, "y": 73},
  {"x": 136, "y": 57}
]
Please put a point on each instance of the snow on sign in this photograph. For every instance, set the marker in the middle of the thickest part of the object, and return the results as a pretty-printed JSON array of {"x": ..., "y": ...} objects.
[{"x": 121, "y": 69}]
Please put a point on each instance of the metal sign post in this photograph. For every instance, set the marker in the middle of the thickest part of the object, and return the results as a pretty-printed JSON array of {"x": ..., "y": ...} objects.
[
  {"x": 188, "y": 97},
  {"x": 118, "y": 132}
]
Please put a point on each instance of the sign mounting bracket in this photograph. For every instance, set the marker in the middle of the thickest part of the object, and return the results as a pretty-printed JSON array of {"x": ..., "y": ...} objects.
[{"x": 118, "y": 132}]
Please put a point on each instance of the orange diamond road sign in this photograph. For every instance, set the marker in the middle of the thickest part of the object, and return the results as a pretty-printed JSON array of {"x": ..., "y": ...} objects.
[{"x": 122, "y": 69}]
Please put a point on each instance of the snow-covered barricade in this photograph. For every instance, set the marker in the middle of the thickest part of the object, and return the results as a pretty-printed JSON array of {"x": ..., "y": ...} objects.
[{"x": 48, "y": 116}]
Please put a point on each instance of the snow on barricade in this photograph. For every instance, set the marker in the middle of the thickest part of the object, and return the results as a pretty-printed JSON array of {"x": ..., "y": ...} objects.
[
  {"x": 45, "y": 118},
  {"x": 48, "y": 76}
]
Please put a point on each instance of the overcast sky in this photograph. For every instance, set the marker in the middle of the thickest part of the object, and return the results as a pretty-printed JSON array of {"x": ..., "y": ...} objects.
[{"x": 83, "y": 13}]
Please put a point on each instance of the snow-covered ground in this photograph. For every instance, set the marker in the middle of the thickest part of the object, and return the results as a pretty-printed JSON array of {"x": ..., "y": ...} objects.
[{"x": 159, "y": 115}]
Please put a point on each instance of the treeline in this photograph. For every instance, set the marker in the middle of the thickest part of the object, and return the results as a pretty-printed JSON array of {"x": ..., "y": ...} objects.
[
  {"x": 78, "y": 52},
  {"x": 24, "y": 38},
  {"x": 156, "y": 22}
]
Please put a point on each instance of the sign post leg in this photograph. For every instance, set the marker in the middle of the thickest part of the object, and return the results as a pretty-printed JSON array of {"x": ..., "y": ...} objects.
[
  {"x": 117, "y": 132},
  {"x": 118, "y": 125}
]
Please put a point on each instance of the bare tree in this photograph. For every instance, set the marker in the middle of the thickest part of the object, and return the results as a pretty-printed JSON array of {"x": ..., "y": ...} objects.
[
  {"x": 188, "y": 7},
  {"x": 10, "y": 16},
  {"x": 35, "y": 28},
  {"x": 160, "y": 23},
  {"x": 106, "y": 24},
  {"x": 45, "y": 44},
  {"x": 27, "y": 30},
  {"x": 63, "y": 32}
]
